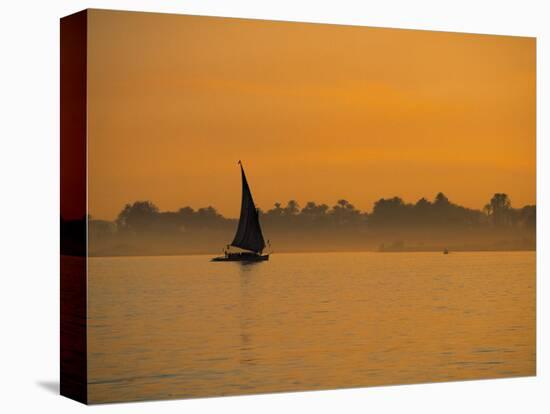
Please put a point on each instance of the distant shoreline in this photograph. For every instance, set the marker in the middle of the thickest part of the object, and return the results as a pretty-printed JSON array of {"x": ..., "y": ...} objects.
[{"x": 321, "y": 251}]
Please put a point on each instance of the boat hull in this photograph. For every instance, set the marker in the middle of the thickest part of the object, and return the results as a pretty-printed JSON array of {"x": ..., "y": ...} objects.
[{"x": 241, "y": 257}]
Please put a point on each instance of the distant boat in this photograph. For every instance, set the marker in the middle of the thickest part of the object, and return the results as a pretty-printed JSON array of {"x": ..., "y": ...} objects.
[
  {"x": 249, "y": 235},
  {"x": 446, "y": 251}
]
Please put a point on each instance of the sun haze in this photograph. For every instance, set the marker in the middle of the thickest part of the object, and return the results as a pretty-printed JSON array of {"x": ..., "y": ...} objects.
[{"x": 316, "y": 112}]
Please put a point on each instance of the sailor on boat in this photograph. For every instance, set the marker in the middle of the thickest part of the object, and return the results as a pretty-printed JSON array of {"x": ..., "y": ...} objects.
[{"x": 249, "y": 235}]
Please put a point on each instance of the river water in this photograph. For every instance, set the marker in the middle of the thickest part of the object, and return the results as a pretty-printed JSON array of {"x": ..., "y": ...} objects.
[{"x": 182, "y": 326}]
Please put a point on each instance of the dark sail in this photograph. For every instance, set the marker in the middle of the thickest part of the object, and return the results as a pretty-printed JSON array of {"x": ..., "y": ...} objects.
[{"x": 249, "y": 233}]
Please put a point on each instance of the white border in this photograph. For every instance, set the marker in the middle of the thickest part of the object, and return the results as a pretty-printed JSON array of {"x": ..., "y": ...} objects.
[{"x": 29, "y": 163}]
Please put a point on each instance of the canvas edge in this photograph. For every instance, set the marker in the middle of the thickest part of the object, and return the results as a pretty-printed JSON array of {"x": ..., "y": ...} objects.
[{"x": 73, "y": 206}]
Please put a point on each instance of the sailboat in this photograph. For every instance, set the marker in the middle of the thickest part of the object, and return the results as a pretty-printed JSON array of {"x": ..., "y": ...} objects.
[{"x": 249, "y": 235}]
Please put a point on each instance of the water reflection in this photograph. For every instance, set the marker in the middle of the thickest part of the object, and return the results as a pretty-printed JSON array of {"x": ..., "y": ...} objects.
[
  {"x": 247, "y": 356},
  {"x": 252, "y": 263}
]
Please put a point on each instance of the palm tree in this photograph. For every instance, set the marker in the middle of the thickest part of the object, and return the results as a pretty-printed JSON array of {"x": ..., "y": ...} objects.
[{"x": 499, "y": 209}]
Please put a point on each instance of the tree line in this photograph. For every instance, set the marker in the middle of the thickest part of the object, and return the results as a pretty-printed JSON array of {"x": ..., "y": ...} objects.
[
  {"x": 143, "y": 217},
  {"x": 392, "y": 225}
]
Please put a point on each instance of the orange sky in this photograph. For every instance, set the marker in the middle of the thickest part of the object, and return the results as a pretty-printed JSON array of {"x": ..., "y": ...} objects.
[{"x": 316, "y": 112}]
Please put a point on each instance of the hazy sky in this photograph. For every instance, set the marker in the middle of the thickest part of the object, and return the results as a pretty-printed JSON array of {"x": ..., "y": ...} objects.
[{"x": 316, "y": 112}]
